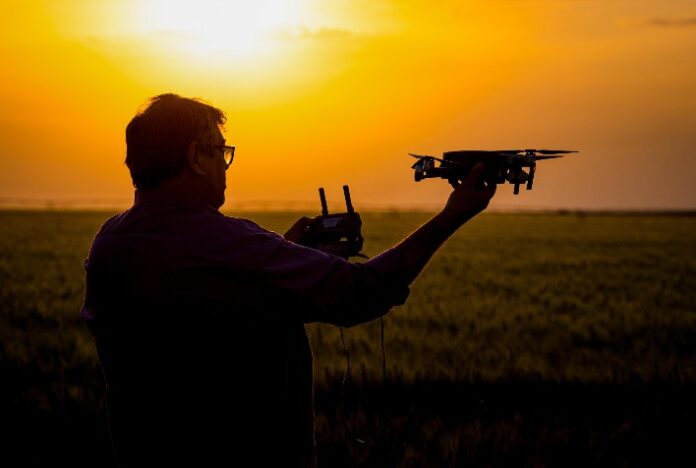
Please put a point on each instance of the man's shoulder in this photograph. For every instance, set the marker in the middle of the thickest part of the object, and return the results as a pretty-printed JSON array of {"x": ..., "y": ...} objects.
[
  {"x": 187, "y": 225},
  {"x": 244, "y": 224},
  {"x": 245, "y": 231},
  {"x": 112, "y": 222},
  {"x": 215, "y": 221}
]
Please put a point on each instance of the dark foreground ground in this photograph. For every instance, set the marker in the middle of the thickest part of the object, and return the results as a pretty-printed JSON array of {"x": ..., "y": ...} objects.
[{"x": 531, "y": 424}]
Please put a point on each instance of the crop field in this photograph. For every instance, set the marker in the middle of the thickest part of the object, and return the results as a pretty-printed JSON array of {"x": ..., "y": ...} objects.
[{"x": 529, "y": 340}]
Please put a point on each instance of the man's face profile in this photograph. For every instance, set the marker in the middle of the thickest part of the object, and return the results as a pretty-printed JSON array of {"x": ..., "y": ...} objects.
[{"x": 214, "y": 166}]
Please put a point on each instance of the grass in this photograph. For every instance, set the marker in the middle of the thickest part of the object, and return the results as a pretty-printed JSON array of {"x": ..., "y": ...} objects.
[{"x": 530, "y": 339}]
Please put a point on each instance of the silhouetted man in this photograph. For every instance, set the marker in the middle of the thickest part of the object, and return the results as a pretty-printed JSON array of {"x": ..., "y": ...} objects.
[{"x": 199, "y": 318}]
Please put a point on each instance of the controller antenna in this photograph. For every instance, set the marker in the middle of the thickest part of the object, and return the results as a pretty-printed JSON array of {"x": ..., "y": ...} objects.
[
  {"x": 349, "y": 204},
  {"x": 322, "y": 197}
]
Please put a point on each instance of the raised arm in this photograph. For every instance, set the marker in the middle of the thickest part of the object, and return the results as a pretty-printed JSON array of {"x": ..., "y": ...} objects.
[
  {"x": 345, "y": 293},
  {"x": 466, "y": 201}
]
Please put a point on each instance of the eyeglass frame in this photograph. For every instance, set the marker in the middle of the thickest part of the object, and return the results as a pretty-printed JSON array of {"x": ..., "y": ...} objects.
[{"x": 226, "y": 149}]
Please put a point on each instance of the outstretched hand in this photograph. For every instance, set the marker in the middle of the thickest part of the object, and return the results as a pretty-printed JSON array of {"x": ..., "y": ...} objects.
[{"x": 470, "y": 197}]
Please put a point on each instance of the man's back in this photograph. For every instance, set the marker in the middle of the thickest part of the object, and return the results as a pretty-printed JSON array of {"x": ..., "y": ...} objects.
[{"x": 197, "y": 363}]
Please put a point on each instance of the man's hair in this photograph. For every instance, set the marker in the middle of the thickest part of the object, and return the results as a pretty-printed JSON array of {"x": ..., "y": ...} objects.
[{"x": 158, "y": 137}]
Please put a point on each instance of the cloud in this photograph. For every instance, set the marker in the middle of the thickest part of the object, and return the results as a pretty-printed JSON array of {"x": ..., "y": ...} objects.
[{"x": 674, "y": 22}]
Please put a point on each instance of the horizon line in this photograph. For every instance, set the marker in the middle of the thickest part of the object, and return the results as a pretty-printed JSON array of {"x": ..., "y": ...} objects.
[
  {"x": 123, "y": 203},
  {"x": 274, "y": 206}
]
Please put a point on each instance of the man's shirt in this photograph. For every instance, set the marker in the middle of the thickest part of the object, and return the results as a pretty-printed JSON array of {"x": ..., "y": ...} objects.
[{"x": 199, "y": 324}]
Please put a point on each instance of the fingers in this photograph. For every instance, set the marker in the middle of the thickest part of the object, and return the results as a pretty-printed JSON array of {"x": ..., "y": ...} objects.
[
  {"x": 474, "y": 178},
  {"x": 298, "y": 229},
  {"x": 492, "y": 187},
  {"x": 486, "y": 189},
  {"x": 304, "y": 221},
  {"x": 473, "y": 181}
]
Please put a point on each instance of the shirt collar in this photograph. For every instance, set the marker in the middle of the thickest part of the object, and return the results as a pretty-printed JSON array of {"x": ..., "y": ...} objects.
[{"x": 154, "y": 197}]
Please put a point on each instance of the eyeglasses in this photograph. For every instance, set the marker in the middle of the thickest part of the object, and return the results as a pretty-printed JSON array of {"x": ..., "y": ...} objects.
[{"x": 227, "y": 153}]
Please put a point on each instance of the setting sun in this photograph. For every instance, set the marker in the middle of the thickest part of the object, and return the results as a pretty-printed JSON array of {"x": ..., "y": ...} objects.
[{"x": 209, "y": 27}]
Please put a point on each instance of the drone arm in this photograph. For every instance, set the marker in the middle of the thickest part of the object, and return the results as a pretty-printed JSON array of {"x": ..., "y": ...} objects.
[{"x": 449, "y": 173}]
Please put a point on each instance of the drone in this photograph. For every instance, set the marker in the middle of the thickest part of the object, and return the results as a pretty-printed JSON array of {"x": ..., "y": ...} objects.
[{"x": 500, "y": 165}]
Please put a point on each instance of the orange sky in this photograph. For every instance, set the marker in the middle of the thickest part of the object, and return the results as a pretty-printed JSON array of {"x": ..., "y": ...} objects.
[{"x": 323, "y": 93}]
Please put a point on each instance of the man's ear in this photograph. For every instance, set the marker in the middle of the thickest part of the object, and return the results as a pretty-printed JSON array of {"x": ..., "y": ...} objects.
[{"x": 193, "y": 155}]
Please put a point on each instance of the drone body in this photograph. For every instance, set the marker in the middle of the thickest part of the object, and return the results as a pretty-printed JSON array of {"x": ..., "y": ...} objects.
[{"x": 500, "y": 165}]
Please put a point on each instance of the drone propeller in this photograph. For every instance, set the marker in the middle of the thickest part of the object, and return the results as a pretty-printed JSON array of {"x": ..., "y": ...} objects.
[
  {"x": 547, "y": 157},
  {"x": 423, "y": 156},
  {"x": 536, "y": 151},
  {"x": 545, "y": 151}
]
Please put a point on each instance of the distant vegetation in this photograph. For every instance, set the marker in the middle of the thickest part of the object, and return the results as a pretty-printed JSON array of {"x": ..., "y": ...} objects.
[{"x": 530, "y": 339}]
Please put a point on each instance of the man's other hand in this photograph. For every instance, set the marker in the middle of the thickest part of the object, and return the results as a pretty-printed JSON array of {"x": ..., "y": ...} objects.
[
  {"x": 469, "y": 198},
  {"x": 297, "y": 231}
]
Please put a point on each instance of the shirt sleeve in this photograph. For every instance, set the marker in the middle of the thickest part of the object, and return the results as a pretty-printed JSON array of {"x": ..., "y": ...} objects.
[{"x": 331, "y": 289}]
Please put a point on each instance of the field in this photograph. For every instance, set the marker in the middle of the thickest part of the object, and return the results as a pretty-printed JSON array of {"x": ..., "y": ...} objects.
[{"x": 529, "y": 340}]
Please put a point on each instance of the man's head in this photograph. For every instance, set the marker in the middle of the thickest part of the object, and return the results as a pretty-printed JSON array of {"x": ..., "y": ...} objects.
[{"x": 177, "y": 137}]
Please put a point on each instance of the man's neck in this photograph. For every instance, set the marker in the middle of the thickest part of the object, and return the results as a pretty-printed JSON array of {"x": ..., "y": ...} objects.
[{"x": 171, "y": 192}]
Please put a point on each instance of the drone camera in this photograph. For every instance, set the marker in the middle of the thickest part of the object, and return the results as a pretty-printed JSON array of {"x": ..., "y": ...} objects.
[{"x": 422, "y": 166}]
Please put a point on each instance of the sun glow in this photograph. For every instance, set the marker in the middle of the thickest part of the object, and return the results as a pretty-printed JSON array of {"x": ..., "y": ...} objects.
[
  {"x": 210, "y": 27},
  {"x": 349, "y": 87}
]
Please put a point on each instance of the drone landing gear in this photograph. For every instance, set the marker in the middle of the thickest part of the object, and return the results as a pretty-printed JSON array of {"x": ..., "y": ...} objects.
[{"x": 530, "y": 181}]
